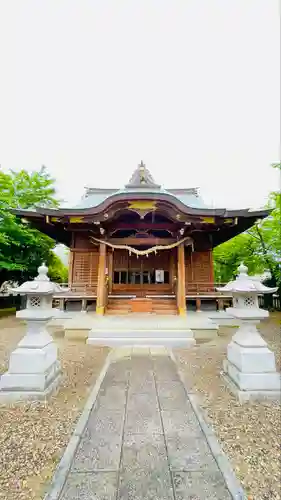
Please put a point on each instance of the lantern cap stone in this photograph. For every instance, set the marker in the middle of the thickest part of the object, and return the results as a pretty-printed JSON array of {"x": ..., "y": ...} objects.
[
  {"x": 41, "y": 285},
  {"x": 246, "y": 284},
  {"x": 242, "y": 269},
  {"x": 42, "y": 273}
]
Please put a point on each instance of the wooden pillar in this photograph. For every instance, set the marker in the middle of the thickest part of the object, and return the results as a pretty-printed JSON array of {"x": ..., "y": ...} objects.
[
  {"x": 198, "y": 305},
  {"x": 212, "y": 272},
  {"x": 101, "y": 280},
  {"x": 71, "y": 257},
  {"x": 84, "y": 305},
  {"x": 70, "y": 267},
  {"x": 221, "y": 304},
  {"x": 110, "y": 272},
  {"x": 181, "y": 281},
  {"x": 173, "y": 272}
]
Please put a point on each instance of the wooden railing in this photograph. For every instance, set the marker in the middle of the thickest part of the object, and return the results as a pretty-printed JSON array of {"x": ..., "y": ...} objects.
[
  {"x": 77, "y": 289},
  {"x": 201, "y": 288},
  {"x": 192, "y": 288}
]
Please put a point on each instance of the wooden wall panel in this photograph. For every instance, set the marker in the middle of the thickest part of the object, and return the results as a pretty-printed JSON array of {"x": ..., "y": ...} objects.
[
  {"x": 120, "y": 260},
  {"x": 199, "y": 269},
  {"x": 82, "y": 240},
  {"x": 85, "y": 271},
  {"x": 188, "y": 266},
  {"x": 201, "y": 266},
  {"x": 123, "y": 260}
]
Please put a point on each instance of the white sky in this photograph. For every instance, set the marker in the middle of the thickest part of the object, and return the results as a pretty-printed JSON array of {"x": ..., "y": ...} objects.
[{"x": 191, "y": 87}]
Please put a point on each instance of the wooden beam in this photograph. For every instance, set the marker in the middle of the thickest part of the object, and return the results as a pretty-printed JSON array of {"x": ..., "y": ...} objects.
[
  {"x": 141, "y": 241},
  {"x": 119, "y": 226}
]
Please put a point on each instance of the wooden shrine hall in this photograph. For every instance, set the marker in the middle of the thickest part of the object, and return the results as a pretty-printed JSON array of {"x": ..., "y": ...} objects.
[{"x": 141, "y": 248}]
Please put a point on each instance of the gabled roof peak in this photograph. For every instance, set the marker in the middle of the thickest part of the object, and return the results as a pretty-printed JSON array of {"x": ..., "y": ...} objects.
[{"x": 142, "y": 178}]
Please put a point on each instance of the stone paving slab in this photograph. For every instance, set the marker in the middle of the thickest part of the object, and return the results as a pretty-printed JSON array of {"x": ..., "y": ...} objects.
[
  {"x": 103, "y": 421},
  {"x": 144, "y": 452},
  {"x": 189, "y": 453},
  {"x": 143, "y": 422},
  {"x": 142, "y": 401},
  {"x": 143, "y": 440},
  {"x": 98, "y": 453},
  {"x": 200, "y": 485},
  {"x": 181, "y": 422},
  {"x": 112, "y": 397},
  {"x": 143, "y": 485},
  {"x": 172, "y": 396},
  {"x": 96, "y": 486}
]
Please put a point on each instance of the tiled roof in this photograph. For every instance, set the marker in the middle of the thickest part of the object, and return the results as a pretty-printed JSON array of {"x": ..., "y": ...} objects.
[{"x": 188, "y": 197}]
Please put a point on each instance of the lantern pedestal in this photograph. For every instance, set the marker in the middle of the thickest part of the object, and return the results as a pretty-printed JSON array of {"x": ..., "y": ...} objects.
[
  {"x": 34, "y": 370},
  {"x": 250, "y": 370}
]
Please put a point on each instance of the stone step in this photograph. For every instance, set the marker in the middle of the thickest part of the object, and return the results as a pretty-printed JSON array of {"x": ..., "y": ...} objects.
[
  {"x": 131, "y": 333},
  {"x": 141, "y": 341}
]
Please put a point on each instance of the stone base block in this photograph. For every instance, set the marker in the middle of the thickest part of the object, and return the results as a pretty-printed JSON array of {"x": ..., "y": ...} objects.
[
  {"x": 253, "y": 381},
  {"x": 250, "y": 396},
  {"x": 25, "y": 360},
  {"x": 78, "y": 328},
  {"x": 18, "y": 387},
  {"x": 205, "y": 334},
  {"x": 76, "y": 333},
  {"x": 56, "y": 327},
  {"x": 252, "y": 386},
  {"x": 221, "y": 318},
  {"x": 251, "y": 359},
  {"x": 14, "y": 396}
]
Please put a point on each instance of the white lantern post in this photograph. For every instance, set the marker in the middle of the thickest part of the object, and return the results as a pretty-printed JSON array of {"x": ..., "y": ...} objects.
[
  {"x": 34, "y": 369},
  {"x": 249, "y": 369}
]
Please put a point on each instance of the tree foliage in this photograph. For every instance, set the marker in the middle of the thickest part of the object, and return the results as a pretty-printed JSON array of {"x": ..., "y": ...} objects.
[
  {"x": 22, "y": 248},
  {"x": 57, "y": 272},
  {"x": 259, "y": 247}
]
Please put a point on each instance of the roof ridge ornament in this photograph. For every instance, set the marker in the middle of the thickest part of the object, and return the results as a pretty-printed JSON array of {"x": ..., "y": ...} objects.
[{"x": 142, "y": 178}]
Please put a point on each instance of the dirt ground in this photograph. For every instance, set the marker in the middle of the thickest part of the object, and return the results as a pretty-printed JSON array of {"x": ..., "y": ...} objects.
[
  {"x": 33, "y": 436},
  {"x": 249, "y": 433}
]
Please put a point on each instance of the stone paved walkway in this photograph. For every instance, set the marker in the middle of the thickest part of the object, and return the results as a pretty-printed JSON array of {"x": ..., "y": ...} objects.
[{"x": 143, "y": 441}]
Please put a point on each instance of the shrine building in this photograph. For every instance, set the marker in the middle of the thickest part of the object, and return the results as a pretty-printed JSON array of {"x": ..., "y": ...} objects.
[{"x": 141, "y": 248}]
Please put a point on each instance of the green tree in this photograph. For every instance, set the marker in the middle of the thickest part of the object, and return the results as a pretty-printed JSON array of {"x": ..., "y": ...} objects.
[
  {"x": 57, "y": 272},
  {"x": 259, "y": 247},
  {"x": 229, "y": 255},
  {"x": 23, "y": 248}
]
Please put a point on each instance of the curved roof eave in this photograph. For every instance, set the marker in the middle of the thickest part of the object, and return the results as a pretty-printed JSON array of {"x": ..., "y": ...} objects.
[{"x": 164, "y": 197}]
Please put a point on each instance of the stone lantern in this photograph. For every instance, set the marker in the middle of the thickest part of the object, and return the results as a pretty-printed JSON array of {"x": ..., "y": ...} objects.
[
  {"x": 249, "y": 369},
  {"x": 34, "y": 369}
]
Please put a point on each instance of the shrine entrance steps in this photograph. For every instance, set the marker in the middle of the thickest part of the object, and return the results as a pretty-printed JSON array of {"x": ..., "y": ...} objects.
[
  {"x": 153, "y": 305},
  {"x": 142, "y": 437}
]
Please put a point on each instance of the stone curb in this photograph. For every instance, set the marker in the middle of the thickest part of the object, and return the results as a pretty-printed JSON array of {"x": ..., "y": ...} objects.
[
  {"x": 223, "y": 463},
  {"x": 62, "y": 469}
]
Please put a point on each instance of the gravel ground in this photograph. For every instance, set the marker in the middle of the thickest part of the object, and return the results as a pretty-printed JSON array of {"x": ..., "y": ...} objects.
[
  {"x": 249, "y": 434},
  {"x": 33, "y": 436}
]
